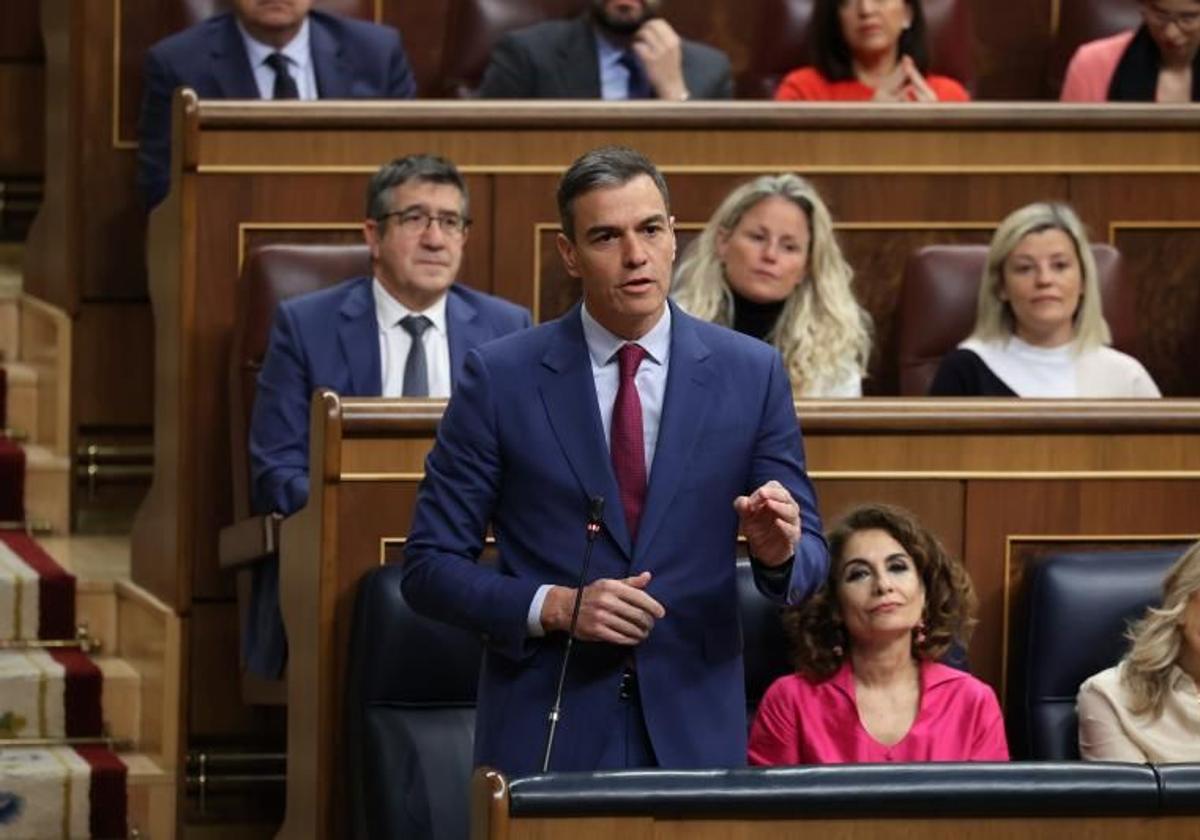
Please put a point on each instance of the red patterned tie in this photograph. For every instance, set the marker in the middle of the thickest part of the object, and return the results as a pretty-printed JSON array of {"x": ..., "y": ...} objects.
[{"x": 627, "y": 446}]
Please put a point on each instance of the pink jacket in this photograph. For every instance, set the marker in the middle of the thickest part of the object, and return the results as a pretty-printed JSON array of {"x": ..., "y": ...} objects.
[
  {"x": 801, "y": 722},
  {"x": 1091, "y": 69}
]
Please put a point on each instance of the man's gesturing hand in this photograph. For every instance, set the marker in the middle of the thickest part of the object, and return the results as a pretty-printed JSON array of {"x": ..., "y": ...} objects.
[
  {"x": 616, "y": 611},
  {"x": 770, "y": 519}
]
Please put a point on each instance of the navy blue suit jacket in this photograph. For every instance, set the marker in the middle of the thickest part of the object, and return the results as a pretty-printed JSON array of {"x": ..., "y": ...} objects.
[
  {"x": 329, "y": 339},
  {"x": 521, "y": 447},
  {"x": 352, "y": 59}
]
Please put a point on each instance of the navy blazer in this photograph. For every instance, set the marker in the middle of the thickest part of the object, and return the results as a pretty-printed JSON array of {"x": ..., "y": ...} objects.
[
  {"x": 521, "y": 447},
  {"x": 557, "y": 59},
  {"x": 352, "y": 59},
  {"x": 329, "y": 339}
]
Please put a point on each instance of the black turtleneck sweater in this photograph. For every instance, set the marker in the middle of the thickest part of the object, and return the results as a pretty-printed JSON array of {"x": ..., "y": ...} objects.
[{"x": 756, "y": 319}]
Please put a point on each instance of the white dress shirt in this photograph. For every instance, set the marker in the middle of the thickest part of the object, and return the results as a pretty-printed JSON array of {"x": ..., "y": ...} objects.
[
  {"x": 614, "y": 76},
  {"x": 651, "y": 382},
  {"x": 300, "y": 63},
  {"x": 395, "y": 341}
]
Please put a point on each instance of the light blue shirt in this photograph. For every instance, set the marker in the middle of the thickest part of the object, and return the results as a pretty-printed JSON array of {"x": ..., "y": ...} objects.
[
  {"x": 614, "y": 76},
  {"x": 300, "y": 63},
  {"x": 651, "y": 382}
]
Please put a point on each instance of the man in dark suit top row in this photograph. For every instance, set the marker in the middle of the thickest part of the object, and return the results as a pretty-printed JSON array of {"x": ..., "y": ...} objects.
[
  {"x": 620, "y": 49},
  {"x": 405, "y": 331},
  {"x": 264, "y": 49},
  {"x": 686, "y": 430}
]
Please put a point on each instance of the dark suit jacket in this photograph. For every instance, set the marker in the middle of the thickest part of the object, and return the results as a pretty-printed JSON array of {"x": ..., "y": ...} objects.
[
  {"x": 521, "y": 447},
  {"x": 329, "y": 339},
  {"x": 558, "y": 60},
  {"x": 352, "y": 59}
]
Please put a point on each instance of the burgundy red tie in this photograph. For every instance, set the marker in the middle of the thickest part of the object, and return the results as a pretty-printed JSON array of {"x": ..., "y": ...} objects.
[{"x": 627, "y": 445}]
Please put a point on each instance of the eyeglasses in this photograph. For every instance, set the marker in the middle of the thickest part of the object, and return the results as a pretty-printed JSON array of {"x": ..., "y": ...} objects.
[
  {"x": 415, "y": 221},
  {"x": 1186, "y": 21}
]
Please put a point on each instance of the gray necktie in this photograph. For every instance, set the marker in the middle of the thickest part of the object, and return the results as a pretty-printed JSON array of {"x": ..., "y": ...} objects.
[{"x": 416, "y": 372}]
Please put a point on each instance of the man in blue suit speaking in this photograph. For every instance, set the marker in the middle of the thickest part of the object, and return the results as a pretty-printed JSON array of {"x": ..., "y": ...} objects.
[
  {"x": 263, "y": 49},
  {"x": 686, "y": 430},
  {"x": 403, "y": 332}
]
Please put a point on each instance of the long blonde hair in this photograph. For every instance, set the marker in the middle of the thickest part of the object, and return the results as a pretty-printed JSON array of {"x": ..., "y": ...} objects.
[
  {"x": 1156, "y": 637},
  {"x": 994, "y": 319},
  {"x": 822, "y": 333}
]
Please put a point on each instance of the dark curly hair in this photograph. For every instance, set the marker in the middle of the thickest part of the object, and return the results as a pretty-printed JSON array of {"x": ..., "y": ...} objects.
[
  {"x": 819, "y": 640},
  {"x": 831, "y": 53}
]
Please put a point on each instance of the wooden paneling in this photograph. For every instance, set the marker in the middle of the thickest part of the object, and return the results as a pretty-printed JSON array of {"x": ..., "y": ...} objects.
[
  {"x": 113, "y": 344},
  {"x": 1049, "y": 468},
  {"x": 892, "y": 183}
]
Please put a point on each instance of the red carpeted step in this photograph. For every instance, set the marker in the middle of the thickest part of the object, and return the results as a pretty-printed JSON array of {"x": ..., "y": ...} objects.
[
  {"x": 108, "y": 815},
  {"x": 12, "y": 482},
  {"x": 56, "y": 586},
  {"x": 63, "y": 792},
  {"x": 3, "y": 398},
  {"x": 82, "y": 713}
]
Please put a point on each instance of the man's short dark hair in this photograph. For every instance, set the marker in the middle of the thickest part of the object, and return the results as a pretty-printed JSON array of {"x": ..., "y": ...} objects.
[
  {"x": 831, "y": 53},
  {"x": 608, "y": 166},
  {"x": 426, "y": 169}
]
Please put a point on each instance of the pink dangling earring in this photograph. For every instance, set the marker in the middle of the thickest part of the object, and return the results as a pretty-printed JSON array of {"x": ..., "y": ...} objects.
[
  {"x": 920, "y": 628},
  {"x": 837, "y": 651}
]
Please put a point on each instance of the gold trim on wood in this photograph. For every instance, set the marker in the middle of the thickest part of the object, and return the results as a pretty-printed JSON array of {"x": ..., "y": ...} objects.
[
  {"x": 117, "y": 141},
  {"x": 735, "y": 169},
  {"x": 1115, "y": 225},
  {"x": 245, "y": 227},
  {"x": 348, "y": 477},
  {"x": 1006, "y": 627},
  {"x": 386, "y": 541}
]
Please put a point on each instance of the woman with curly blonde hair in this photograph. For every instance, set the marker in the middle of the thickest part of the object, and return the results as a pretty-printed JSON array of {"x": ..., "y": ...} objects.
[
  {"x": 1147, "y": 707},
  {"x": 768, "y": 264},
  {"x": 868, "y": 686}
]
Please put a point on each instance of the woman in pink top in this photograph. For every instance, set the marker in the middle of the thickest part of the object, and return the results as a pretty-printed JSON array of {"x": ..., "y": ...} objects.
[
  {"x": 869, "y": 50},
  {"x": 1157, "y": 62},
  {"x": 869, "y": 687}
]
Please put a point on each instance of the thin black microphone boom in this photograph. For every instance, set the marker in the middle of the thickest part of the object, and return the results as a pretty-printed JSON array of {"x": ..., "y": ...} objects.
[{"x": 595, "y": 518}]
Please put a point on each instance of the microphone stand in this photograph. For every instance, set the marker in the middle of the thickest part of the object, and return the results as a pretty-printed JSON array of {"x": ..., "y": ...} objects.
[{"x": 595, "y": 517}]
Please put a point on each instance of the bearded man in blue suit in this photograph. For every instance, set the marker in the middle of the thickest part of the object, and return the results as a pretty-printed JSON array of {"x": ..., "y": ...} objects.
[
  {"x": 263, "y": 49},
  {"x": 687, "y": 431},
  {"x": 405, "y": 331}
]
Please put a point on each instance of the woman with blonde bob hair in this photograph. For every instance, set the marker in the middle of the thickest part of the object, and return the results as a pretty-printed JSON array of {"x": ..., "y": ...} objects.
[
  {"x": 1147, "y": 707},
  {"x": 868, "y": 684},
  {"x": 768, "y": 264},
  {"x": 1039, "y": 329}
]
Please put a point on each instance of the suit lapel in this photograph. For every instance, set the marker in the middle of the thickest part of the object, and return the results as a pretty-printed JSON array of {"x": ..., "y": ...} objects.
[
  {"x": 230, "y": 65},
  {"x": 685, "y": 407},
  {"x": 329, "y": 62},
  {"x": 358, "y": 334},
  {"x": 464, "y": 330},
  {"x": 568, "y": 392},
  {"x": 579, "y": 63}
]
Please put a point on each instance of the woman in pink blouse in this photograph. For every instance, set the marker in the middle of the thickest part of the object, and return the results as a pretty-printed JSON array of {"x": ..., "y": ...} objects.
[{"x": 869, "y": 687}]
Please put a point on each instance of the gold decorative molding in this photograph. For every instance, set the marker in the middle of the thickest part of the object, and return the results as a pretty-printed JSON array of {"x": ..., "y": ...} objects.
[
  {"x": 246, "y": 227},
  {"x": 1118, "y": 225},
  {"x": 736, "y": 169}
]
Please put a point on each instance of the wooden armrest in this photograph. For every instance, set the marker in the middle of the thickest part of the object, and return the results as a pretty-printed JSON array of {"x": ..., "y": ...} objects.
[{"x": 248, "y": 541}]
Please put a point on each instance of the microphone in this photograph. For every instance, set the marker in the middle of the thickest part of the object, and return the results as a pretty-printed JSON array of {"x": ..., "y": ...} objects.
[{"x": 595, "y": 517}]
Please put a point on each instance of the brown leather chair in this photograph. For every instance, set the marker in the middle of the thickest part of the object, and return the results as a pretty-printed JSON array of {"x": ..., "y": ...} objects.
[
  {"x": 1080, "y": 21},
  {"x": 783, "y": 43},
  {"x": 474, "y": 27},
  {"x": 271, "y": 274},
  {"x": 938, "y": 299}
]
